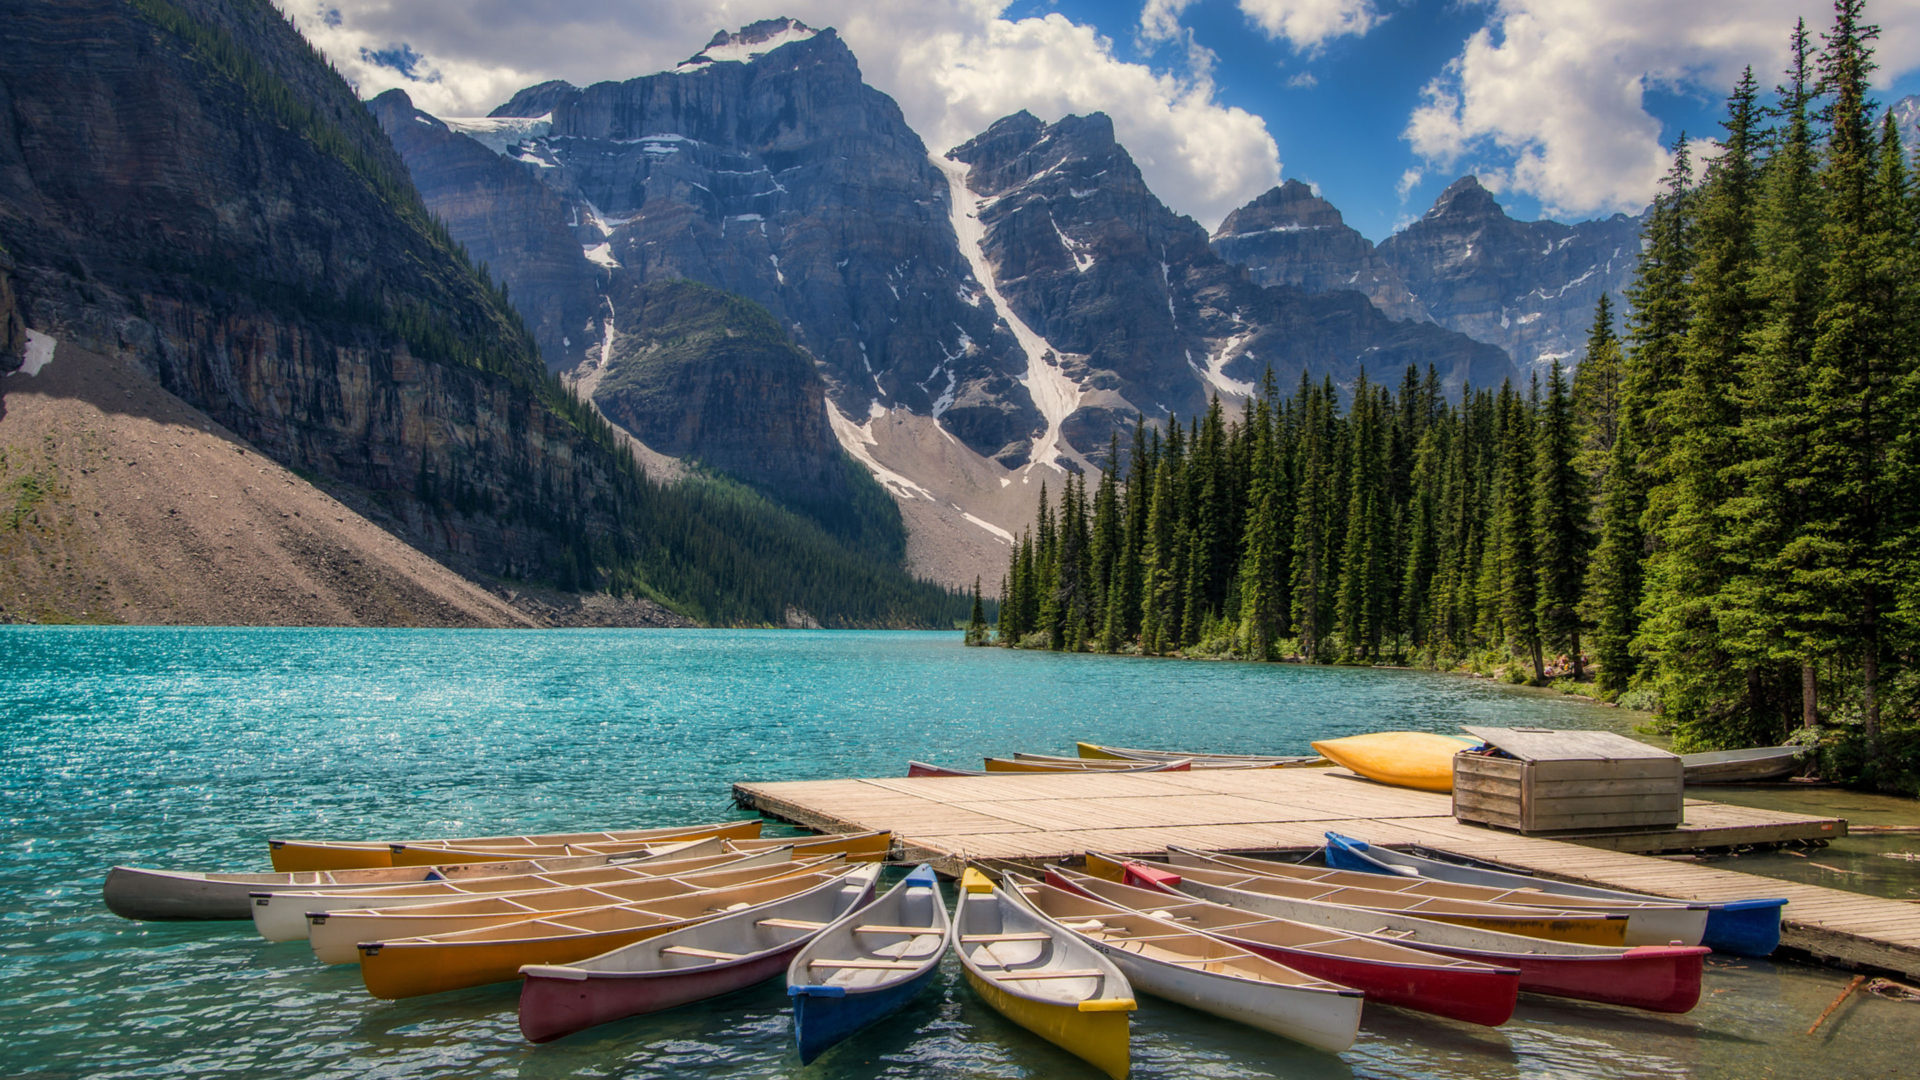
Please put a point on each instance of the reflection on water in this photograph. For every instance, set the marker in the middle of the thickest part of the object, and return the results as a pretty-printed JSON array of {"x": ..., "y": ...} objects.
[{"x": 188, "y": 747}]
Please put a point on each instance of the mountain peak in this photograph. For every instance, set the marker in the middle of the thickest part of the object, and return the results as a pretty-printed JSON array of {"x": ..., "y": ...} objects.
[
  {"x": 1291, "y": 205},
  {"x": 1465, "y": 197},
  {"x": 750, "y": 41}
]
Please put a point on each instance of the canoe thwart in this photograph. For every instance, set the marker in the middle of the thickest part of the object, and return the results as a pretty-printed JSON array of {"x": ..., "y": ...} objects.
[
  {"x": 706, "y": 954},
  {"x": 790, "y": 924},
  {"x": 859, "y": 963},
  {"x": 881, "y": 928},
  {"x": 1030, "y": 935}
]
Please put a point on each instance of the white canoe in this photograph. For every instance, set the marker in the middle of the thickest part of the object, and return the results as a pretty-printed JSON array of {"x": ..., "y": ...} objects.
[
  {"x": 141, "y": 893},
  {"x": 335, "y": 936},
  {"x": 1201, "y": 972},
  {"x": 282, "y": 915}
]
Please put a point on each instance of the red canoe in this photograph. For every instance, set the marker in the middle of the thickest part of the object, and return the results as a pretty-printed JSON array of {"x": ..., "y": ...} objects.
[
  {"x": 701, "y": 961},
  {"x": 1387, "y": 972},
  {"x": 1658, "y": 978}
]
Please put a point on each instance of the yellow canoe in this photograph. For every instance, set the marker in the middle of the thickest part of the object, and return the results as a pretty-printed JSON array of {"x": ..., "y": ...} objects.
[
  {"x": 302, "y": 855},
  {"x": 1412, "y": 759},
  {"x": 1054, "y": 985},
  {"x": 409, "y": 967}
]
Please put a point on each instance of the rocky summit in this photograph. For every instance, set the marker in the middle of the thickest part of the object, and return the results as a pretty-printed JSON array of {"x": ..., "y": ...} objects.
[
  {"x": 764, "y": 167},
  {"x": 1292, "y": 236},
  {"x": 1528, "y": 287},
  {"x": 1140, "y": 315}
]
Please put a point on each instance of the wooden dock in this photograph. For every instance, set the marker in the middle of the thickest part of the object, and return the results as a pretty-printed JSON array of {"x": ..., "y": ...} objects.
[{"x": 948, "y": 820}]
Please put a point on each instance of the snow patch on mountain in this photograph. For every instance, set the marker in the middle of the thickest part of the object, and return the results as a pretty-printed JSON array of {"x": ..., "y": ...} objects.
[
  {"x": 501, "y": 134},
  {"x": 1054, "y": 394},
  {"x": 749, "y": 44}
]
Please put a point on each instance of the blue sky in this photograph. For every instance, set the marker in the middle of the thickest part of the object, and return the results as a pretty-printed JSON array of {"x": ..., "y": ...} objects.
[
  {"x": 1343, "y": 129},
  {"x": 1565, "y": 108}
]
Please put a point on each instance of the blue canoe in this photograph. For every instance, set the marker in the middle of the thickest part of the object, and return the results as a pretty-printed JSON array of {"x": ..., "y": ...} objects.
[
  {"x": 868, "y": 963},
  {"x": 1740, "y": 927}
]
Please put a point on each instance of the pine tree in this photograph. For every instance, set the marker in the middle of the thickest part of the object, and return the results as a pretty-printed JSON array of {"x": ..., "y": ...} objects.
[
  {"x": 1766, "y": 613},
  {"x": 1845, "y": 528},
  {"x": 1559, "y": 523},
  {"x": 977, "y": 623},
  {"x": 1519, "y": 581},
  {"x": 1700, "y": 687},
  {"x": 1596, "y": 395},
  {"x": 1262, "y": 591},
  {"x": 1313, "y": 584},
  {"x": 1157, "y": 566}
]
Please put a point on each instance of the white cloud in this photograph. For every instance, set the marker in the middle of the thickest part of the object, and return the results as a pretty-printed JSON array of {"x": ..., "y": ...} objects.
[
  {"x": 1408, "y": 181},
  {"x": 955, "y": 66},
  {"x": 1548, "y": 98},
  {"x": 1160, "y": 19},
  {"x": 1308, "y": 24},
  {"x": 1305, "y": 80}
]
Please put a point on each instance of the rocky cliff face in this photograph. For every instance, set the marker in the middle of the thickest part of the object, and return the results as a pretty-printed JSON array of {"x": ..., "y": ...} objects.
[
  {"x": 1290, "y": 236},
  {"x": 1528, "y": 287},
  {"x": 711, "y": 377},
  {"x": 13, "y": 333},
  {"x": 764, "y": 167},
  {"x": 1140, "y": 312},
  {"x": 189, "y": 185},
  {"x": 506, "y": 219}
]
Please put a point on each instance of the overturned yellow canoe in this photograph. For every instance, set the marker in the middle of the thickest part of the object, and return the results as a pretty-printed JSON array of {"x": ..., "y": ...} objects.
[{"x": 1414, "y": 759}]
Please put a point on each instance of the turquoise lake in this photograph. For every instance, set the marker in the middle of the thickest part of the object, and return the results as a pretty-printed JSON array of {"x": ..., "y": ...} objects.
[{"x": 188, "y": 748}]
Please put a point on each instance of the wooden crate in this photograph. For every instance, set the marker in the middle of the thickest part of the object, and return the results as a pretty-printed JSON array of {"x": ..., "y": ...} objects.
[{"x": 1567, "y": 781}]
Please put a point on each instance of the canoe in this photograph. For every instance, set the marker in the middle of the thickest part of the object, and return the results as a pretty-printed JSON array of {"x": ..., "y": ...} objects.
[
  {"x": 282, "y": 915},
  {"x": 336, "y": 935},
  {"x": 1659, "y": 978},
  {"x": 1172, "y": 961},
  {"x": 870, "y": 846},
  {"x": 868, "y": 964},
  {"x": 407, "y": 967},
  {"x": 1741, "y": 766},
  {"x": 917, "y": 769},
  {"x": 1740, "y": 927},
  {"x": 718, "y": 956},
  {"x": 1251, "y": 889},
  {"x": 140, "y": 893},
  {"x": 1655, "y": 921},
  {"x": 858, "y": 847},
  {"x": 1123, "y": 765},
  {"x": 1011, "y": 765},
  {"x": 1387, "y": 972},
  {"x": 1413, "y": 759},
  {"x": 485, "y": 849},
  {"x": 1050, "y": 982},
  {"x": 1129, "y": 753},
  {"x": 294, "y": 855}
]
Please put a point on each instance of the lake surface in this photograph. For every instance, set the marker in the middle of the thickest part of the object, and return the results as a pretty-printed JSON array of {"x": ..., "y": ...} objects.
[{"x": 187, "y": 748}]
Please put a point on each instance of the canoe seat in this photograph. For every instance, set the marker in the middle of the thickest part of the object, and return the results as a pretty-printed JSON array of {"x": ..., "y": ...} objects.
[
  {"x": 790, "y": 924},
  {"x": 878, "y": 928},
  {"x": 1088, "y": 973},
  {"x": 865, "y": 963},
  {"x": 1033, "y": 935},
  {"x": 708, "y": 954}
]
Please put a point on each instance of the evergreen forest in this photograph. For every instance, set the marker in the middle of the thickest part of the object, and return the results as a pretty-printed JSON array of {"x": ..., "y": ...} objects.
[{"x": 1715, "y": 515}]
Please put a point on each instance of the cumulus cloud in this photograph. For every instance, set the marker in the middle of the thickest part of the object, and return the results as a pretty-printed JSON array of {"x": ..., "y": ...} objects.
[
  {"x": 1308, "y": 24},
  {"x": 955, "y": 66},
  {"x": 1549, "y": 97},
  {"x": 1305, "y": 24}
]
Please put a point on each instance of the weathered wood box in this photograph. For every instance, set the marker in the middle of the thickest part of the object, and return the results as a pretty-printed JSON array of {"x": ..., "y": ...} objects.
[{"x": 1567, "y": 781}]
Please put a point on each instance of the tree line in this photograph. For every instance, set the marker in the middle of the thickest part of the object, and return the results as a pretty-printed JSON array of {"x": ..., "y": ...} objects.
[{"x": 1717, "y": 515}]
